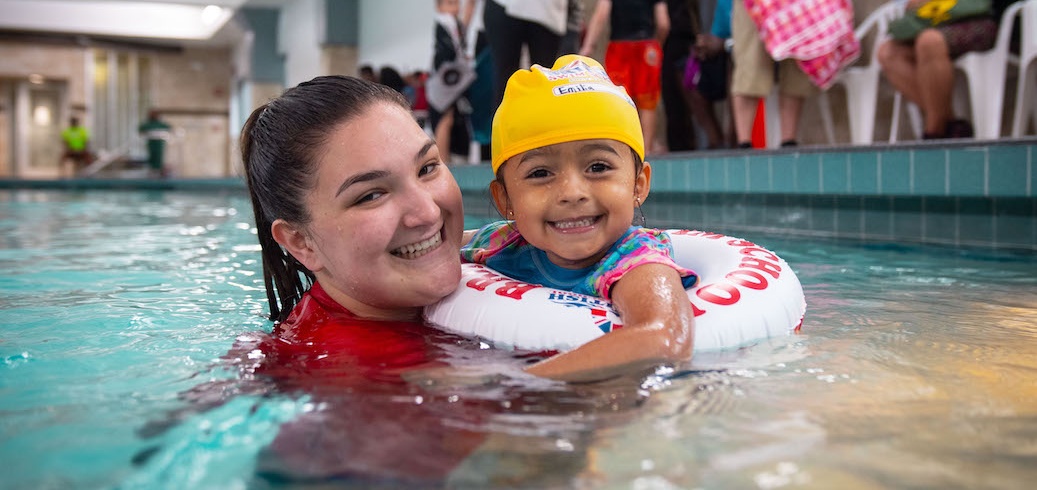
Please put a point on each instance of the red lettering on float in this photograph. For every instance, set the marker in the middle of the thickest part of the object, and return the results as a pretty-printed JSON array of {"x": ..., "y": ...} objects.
[
  {"x": 483, "y": 281},
  {"x": 741, "y": 243},
  {"x": 761, "y": 265},
  {"x": 696, "y": 310},
  {"x": 685, "y": 232},
  {"x": 721, "y": 293},
  {"x": 759, "y": 253},
  {"x": 747, "y": 278},
  {"x": 514, "y": 289},
  {"x": 510, "y": 288}
]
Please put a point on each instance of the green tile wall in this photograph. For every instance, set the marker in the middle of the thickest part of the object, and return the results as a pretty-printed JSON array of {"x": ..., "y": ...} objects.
[{"x": 961, "y": 194}]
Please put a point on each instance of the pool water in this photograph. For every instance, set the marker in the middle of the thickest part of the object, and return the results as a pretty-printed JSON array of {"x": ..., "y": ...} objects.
[{"x": 915, "y": 368}]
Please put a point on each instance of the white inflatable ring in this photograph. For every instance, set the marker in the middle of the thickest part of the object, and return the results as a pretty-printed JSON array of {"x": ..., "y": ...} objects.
[{"x": 745, "y": 293}]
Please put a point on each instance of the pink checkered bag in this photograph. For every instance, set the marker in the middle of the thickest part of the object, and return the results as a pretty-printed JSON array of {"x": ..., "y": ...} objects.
[{"x": 818, "y": 34}]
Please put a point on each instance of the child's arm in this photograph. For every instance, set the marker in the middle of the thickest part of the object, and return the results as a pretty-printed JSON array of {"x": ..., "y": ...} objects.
[{"x": 658, "y": 328}]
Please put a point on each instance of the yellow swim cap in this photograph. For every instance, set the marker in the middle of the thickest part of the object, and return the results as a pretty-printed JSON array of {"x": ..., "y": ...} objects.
[{"x": 574, "y": 100}]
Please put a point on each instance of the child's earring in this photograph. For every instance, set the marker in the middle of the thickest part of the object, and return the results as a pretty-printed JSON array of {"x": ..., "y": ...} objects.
[
  {"x": 640, "y": 211},
  {"x": 511, "y": 214}
]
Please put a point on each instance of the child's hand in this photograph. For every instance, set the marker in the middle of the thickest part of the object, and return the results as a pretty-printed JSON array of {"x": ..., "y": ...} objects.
[{"x": 658, "y": 328}]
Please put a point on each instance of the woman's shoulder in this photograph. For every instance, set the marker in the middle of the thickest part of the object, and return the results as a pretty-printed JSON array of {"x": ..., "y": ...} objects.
[{"x": 319, "y": 322}]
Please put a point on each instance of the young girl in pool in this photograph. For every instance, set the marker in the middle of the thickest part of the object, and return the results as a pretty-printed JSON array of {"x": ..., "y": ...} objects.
[{"x": 567, "y": 152}]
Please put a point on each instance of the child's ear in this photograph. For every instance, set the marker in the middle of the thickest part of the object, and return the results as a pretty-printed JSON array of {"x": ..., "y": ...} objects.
[
  {"x": 500, "y": 198},
  {"x": 643, "y": 182}
]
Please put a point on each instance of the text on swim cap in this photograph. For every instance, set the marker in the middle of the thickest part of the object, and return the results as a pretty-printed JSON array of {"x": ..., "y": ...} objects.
[{"x": 577, "y": 88}]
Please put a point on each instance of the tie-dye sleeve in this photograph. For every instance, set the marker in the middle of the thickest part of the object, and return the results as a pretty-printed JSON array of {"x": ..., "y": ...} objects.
[
  {"x": 641, "y": 246},
  {"x": 488, "y": 241}
]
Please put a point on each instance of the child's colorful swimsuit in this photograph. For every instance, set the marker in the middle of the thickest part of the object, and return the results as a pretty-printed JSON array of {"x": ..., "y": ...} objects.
[{"x": 499, "y": 246}]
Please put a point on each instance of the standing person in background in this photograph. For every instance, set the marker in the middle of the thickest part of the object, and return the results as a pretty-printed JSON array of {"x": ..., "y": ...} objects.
[
  {"x": 511, "y": 24},
  {"x": 755, "y": 74},
  {"x": 574, "y": 26},
  {"x": 416, "y": 96},
  {"x": 678, "y": 50},
  {"x": 633, "y": 58},
  {"x": 712, "y": 50},
  {"x": 366, "y": 72},
  {"x": 76, "y": 147},
  {"x": 452, "y": 72},
  {"x": 391, "y": 78},
  {"x": 156, "y": 131},
  {"x": 480, "y": 93}
]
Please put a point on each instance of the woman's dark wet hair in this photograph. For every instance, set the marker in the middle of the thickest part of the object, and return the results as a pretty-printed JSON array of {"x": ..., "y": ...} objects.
[{"x": 280, "y": 144}]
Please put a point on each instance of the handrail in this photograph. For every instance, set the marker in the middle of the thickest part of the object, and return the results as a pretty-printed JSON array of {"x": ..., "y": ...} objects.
[{"x": 104, "y": 159}]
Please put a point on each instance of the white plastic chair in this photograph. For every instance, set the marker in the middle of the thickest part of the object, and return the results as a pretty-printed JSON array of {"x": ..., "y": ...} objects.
[
  {"x": 985, "y": 71},
  {"x": 985, "y": 77},
  {"x": 914, "y": 118},
  {"x": 862, "y": 82},
  {"x": 1025, "y": 98}
]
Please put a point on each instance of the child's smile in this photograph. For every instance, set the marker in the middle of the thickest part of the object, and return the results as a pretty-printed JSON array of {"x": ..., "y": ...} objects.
[{"x": 576, "y": 225}]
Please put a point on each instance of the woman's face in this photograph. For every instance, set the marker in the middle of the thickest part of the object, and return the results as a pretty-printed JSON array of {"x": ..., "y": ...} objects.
[
  {"x": 386, "y": 217},
  {"x": 572, "y": 200}
]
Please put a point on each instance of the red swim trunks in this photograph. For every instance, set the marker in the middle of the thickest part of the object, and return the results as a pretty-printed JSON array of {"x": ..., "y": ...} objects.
[{"x": 636, "y": 65}]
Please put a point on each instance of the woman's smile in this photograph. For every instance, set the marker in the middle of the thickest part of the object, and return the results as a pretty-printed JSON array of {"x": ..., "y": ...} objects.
[{"x": 420, "y": 248}]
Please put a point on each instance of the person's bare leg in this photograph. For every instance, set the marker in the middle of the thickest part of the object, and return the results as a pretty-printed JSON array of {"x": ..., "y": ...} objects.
[
  {"x": 899, "y": 66},
  {"x": 935, "y": 79},
  {"x": 648, "y": 129},
  {"x": 744, "y": 115},
  {"x": 790, "y": 107},
  {"x": 443, "y": 129},
  {"x": 729, "y": 130},
  {"x": 702, "y": 110}
]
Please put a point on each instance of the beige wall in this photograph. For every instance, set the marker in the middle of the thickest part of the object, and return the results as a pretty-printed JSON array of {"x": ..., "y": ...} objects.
[
  {"x": 190, "y": 88},
  {"x": 64, "y": 65},
  {"x": 192, "y": 92},
  {"x": 19, "y": 60},
  {"x": 193, "y": 80}
]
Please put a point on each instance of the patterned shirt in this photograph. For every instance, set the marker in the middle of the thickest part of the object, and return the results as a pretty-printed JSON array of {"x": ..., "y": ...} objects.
[{"x": 499, "y": 246}]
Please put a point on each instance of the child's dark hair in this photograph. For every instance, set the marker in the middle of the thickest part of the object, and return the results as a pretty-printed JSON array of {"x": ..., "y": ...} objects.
[{"x": 279, "y": 148}]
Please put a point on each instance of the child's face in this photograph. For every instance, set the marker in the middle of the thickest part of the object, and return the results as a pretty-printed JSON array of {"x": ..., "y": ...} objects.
[{"x": 573, "y": 200}]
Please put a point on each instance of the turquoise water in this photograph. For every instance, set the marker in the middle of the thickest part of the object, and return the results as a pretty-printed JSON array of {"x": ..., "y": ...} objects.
[{"x": 915, "y": 368}]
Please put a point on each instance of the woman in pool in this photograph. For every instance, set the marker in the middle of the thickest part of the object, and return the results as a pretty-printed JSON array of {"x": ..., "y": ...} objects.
[
  {"x": 360, "y": 224},
  {"x": 567, "y": 151}
]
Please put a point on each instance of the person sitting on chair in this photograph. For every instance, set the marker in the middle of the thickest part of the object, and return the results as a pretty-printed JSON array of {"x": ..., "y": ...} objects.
[{"x": 76, "y": 139}]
